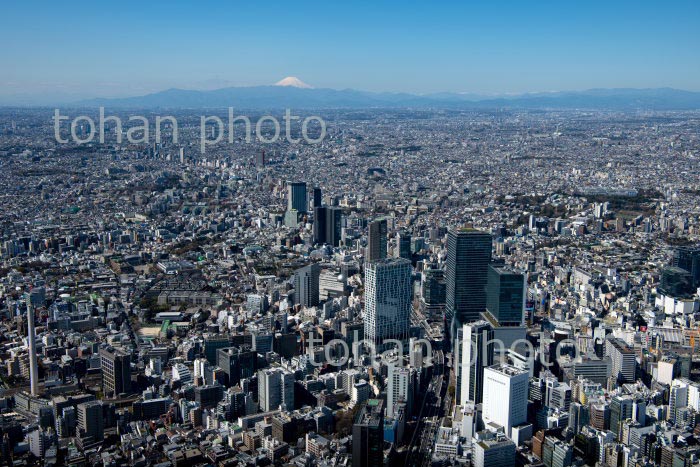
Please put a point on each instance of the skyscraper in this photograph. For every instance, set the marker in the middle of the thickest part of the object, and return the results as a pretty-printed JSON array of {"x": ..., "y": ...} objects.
[
  {"x": 621, "y": 408},
  {"x": 505, "y": 396},
  {"x": 505, "y": 296},
  {"x": 678, "y": 397},
  {"x": 237, "y": 363},
  {"x": 320, "y": 216},
  {"x": 403, "y": 245},
  {"x": 400, "y": 385},
  {"x": 297, "y": 197},
  {"x": 688, "y": 258},
  {"x": 214, "y": 342},
  {"x": 91, "y": 421},
  {"x": 368, "y": 435},
  {"x": 306, "y": 283},
  {"x": 624, "y": 361},
  {"x": 317, "y": 198},
  {"x": 433, "y": 286},
  {"x": 31, "y": 338},
  {"x": 468, "y": 257},
  {"x": 376, "y": 240},
  {"x": 334, "y": 225},
  {"x": 275, "y": 389},
  {"x": 388, "y": 296},
  {"x": 260, "y": 159},
  {"x": 116, "y": 371},
  {"x": 477, "y": 355}
]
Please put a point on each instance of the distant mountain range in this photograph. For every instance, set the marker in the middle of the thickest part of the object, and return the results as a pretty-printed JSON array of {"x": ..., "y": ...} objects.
[{"x": 304, "y": 97}]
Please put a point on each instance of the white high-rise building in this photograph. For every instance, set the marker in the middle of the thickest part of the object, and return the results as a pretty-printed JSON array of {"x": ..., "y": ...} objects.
[
  {"x": 388, "y": 297},
  {"x": 200, "y": 368},
  {"x": 360, "y": 392},
  {"x": 39, "y": 441},
  {"x": 505, "y": 397},
  {"x": 401, "y": 381},
  {"x": 694, "y": 396},
  {"x": 182, "y": 373},
  {"x": 155, "y": 367},
  {"x": 678, "y": 397},
  {"x": 624, "y": 363},
  {"x": 275, "y": 389},
  {"x": 476, "y": 355}
]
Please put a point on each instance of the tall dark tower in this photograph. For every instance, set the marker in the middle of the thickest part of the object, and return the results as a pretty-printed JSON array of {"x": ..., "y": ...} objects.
[
  {"x": 318, "y": 202},
  {"x": 320, "y": 216},
  {"x": 334, "y": 225},
  {"x": 116, "y": 371},
  {"x": 297, "y": 197},
  {"x": 468, "y": 257},
  {"x": 260, "y": 159},
  {"x": 368, "y": 435},
  {"x": 403, "y": 245},
  {"x": 505, "y": 296},
  {"x": 376, "y": 240},
  {"x": 306, "y": 281},
  {"x": 477, "y": 353},
  {"x": 688, "y": 258}
]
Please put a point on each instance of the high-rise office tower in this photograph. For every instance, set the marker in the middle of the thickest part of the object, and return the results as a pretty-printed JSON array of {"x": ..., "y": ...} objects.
[
  {"x": 621, "y": 408},
  {"x": 320, "y": 216},
  {"x": 40, "y": 440},
  {"x": 403, "y": 245},
  {"x": 306, "y": 285},
  {"x": 214, "y": 342},
  {"x": 477, "y": 355},
  {"x": 237, "y": 363},
  {"x": 433, "y": 289},
  {"x": 400, "y": 385},
  {"x": 388, "y": 296},
  {"x": 624, "y": 360},
  {"x": 579, "y": 416},
  {"x": 678, "y": 397},
  {"x": 317, "y": 198},
  {"x": 505, "y": 396},
  {"x": 91, "y": 420},
  {"x": 376, "y": 240},
  {"x": 296, "y": 197},
  {"x": 494, "y": 452},
  {"x": 275, "y": 389},
  {"x": 505, "y": 296},
  {"x": 688, "y": 258},
  {"x": 260, "y": 159},
  {"x": 468, "y": 257},
  {"x": 676, "y": 282},
  {"x": 368, "y": 435},
  {"x": 334, "y": 225},
  {"x": 116, "y": 371},
  {"x": 31, "y": 338}
]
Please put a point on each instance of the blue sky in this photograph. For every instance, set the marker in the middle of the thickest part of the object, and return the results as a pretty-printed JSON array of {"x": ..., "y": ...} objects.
[{"x": 131, "y": 48}]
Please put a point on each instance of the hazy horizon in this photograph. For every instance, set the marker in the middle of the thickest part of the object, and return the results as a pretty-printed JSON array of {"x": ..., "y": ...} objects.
[{"x": 63, "y": 54}]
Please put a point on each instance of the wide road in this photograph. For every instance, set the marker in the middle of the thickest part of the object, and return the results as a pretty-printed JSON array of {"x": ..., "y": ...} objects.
[{"x": 421, "y": 445}]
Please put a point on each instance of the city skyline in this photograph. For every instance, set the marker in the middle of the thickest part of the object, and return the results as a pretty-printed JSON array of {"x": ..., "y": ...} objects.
[{"x": 350, "y": 234}]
